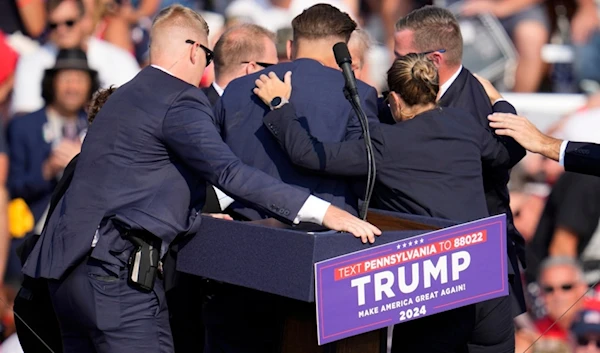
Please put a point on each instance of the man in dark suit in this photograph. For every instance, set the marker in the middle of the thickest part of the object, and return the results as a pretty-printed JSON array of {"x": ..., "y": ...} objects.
[
  {"x": 435, "y": 32},
  {"x": 240, "y": 51},
  {"x": 142, "y": 179},
  {"x": 318, "y": 94},
  {"x": 436, "y": 142},
  {"x": 578, "y": 157}
]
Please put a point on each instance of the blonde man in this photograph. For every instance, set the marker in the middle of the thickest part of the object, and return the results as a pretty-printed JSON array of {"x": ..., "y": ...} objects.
[{"x": 141, "y": 180}]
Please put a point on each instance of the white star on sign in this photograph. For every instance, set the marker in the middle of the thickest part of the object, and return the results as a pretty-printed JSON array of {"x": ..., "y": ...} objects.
[
  {"x": 421, "y": 241},
  {"x": 403, "y": 245},
  {"x": 410, "y": 242},
  {"x": 398, "y": 247}
]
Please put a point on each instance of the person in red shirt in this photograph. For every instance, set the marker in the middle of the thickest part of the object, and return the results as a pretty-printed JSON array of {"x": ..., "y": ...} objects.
[{"x": 8, "y": 64}]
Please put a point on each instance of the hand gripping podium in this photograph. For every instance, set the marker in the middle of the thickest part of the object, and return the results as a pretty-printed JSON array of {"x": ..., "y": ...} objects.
[{"x": 282, "y": 262}]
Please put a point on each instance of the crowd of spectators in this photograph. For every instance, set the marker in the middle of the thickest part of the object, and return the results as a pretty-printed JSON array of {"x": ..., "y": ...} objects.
[{"x": 55, "y": 53}]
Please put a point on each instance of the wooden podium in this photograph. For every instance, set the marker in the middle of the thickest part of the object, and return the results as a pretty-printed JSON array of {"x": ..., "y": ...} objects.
[{"x": 280, "y": 261}]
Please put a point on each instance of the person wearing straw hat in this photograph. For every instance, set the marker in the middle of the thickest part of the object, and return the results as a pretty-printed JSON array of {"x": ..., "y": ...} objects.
[{"x": 42, "y": 143}]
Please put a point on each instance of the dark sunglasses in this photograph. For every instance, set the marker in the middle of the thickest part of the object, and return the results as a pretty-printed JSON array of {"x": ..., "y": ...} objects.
[
  {"x": 441, "y": 51},
  {"x": 265, "y": 65},
  {"x": 55, "y": 25},
  {"x": 209, "y": 53},
  {"x": 584, "y": 341},
  {"x": 565, "y": 288}
]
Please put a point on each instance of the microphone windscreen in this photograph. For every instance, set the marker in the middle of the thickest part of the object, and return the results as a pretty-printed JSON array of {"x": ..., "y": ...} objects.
[{"x": 341, "y": 53}]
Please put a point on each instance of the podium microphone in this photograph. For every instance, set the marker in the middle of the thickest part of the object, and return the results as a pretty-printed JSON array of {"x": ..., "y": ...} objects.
[{"x": 344, "y": 60}]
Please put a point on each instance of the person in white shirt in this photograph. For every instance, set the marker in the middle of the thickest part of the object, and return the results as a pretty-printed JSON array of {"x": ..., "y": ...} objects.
[{"x": 115, "y": 66}]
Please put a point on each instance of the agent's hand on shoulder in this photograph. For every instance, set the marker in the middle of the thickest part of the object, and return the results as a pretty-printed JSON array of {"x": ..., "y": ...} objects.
[
  {"x": 340, "y": 220},
  {"x": 525, "y": 133},
  {"x": 269, "y": 87}
]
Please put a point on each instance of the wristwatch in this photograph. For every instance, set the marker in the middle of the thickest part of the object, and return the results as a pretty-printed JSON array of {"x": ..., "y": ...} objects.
[{"x": 278, "y": 102}]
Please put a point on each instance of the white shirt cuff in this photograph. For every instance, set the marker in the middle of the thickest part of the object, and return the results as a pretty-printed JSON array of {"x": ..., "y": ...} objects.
[
  {"x": 224, "y": 200},
  {"x": 499, "y": 100},
  {"x": 561, "y": 156},
  {"x": 312, "y": 211}
]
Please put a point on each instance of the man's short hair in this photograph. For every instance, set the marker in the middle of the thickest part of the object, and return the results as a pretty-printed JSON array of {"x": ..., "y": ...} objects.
[
  {"x": 434, "y": 28},
  {"x": 323, "y": 21},
  {"x": 180, "y": 16},
  {"x": 555, "y": 261},
  {"x": 241, "y": 43},
  {"x": 51, "y": 5}
]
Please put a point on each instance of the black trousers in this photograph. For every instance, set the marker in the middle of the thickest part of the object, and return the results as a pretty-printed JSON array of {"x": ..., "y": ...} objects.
[
  {"x": 242, "y": 320},
  {"x": 100, "y": 312},
  {"x": 485, "y": 327},
  {"x": 33, "y": 305},
  {"x": 185, "y": 301}
]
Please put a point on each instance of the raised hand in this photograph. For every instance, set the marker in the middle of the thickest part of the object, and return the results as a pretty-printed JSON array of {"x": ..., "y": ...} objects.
[{"x": 269, "y": 87}]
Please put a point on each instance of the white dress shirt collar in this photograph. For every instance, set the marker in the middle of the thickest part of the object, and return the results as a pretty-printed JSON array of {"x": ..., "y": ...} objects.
[
  {"x": 162, "y": 69},
  {"x": 444, "y": 88},
  {"x": 218, "y": 88}
]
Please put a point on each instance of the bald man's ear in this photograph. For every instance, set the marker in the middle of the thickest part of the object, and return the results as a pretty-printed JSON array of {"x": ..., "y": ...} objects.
[{"x": 288, "y": 48}]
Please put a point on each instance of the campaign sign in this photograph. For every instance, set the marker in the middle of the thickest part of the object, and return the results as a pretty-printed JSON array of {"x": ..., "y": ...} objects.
[{"x": 411, "y": 278}]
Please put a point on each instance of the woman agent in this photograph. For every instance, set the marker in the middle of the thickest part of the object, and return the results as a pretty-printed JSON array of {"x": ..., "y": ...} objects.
[{"x": 430, "y": 163}]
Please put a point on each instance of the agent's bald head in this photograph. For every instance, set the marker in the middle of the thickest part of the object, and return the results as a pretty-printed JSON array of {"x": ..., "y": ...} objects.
[{"x": 172, "y": 27}]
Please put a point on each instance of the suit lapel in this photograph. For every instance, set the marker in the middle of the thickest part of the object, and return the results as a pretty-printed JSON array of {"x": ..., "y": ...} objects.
[{"x": 212, "y": 94}]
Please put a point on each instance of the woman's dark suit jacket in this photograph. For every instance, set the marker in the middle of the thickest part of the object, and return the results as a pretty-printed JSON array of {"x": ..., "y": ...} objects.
[{"x": 430, "y": 165}]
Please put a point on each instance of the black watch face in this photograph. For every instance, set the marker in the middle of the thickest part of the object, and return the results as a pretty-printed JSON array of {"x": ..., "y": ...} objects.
[{"x": 276, "y": 101}]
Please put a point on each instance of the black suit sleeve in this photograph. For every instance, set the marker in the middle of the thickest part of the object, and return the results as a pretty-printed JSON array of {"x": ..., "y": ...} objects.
[
  {"x": 62, "y": 186},
  {"x": 582, "y": 157},
  {"x": 493, "y": 153},
  {"x": 25, "y": 248},
  {"x": 188, "y": 130},
  {"x": 347, "y": 158},
  {"x": 515, "y": 151}
]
